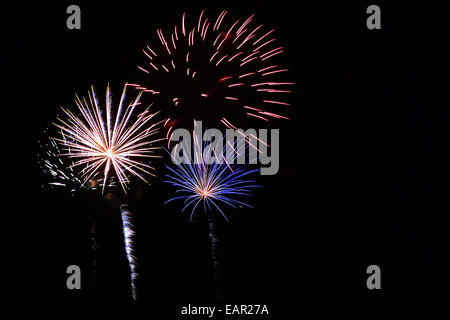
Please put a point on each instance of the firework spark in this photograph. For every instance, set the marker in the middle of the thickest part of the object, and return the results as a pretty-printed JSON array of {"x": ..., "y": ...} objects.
[
  {"x": 58, "y": 172},
  {"x": 231, "y": 66},
  {"x": 106, "y": 142}
]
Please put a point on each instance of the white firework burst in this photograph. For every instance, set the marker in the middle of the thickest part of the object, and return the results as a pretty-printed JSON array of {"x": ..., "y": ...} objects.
[{"x": 107, "y": 141}]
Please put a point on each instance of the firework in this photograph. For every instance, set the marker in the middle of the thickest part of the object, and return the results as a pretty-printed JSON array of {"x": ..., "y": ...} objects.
[
  {"x": 220, "y": 67},
  {"x": 62, "y": 176},
  {"x": 109, "y": 144},
  {"x": 106, "y": 142},
  {"x": 58, "y": 173},
  {"x": 211, "y": 185}
]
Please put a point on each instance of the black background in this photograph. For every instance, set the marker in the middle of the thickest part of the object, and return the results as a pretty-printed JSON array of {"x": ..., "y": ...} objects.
[{"x": 364, "y": 174}]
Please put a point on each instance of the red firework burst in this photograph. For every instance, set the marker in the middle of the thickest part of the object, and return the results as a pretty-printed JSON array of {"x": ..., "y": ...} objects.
[{"x": 217, "y": 70}]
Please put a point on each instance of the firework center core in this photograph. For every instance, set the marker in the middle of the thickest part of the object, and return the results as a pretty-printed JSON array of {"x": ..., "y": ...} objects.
[{"x": 109, "y": 153}]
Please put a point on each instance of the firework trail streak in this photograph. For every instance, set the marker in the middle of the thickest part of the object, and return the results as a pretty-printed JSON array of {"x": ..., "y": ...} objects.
[
  {"x": 94, "y": 248},
  {"x": 215, "y": 245},
  {"x": 128, "y": 233}
]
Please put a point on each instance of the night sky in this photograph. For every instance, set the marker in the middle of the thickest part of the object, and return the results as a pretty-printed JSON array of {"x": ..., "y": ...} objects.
[{"x": 364, "y": 172}]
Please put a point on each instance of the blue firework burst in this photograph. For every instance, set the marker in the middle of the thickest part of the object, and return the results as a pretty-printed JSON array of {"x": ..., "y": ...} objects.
[{"x": 211, "y": 184}]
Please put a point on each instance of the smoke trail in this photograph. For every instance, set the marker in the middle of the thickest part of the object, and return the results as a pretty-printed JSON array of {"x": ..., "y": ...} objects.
[
  {"x": 215, "y": 243},
  {"x": 94, "y": 247},
  {"x": 128, "y": 232}
]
